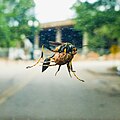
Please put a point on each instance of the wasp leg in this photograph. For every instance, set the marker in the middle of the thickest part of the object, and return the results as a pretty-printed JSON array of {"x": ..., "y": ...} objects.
[
  {"x": 41, "y": 57},
  {"x": 48, "y": 65},
  {"x": 42, "y": 51},
  {"x": 68, "y": 67},
  {"x": 72, "y": 68},
  {"x": 77, "y": 77},
  {"x": 74, "y": 73},
  {"x": 58, "y": 70}
]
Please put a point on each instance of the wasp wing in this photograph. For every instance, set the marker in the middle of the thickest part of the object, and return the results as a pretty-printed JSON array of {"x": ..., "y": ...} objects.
[{"x": 55, "y": 43}]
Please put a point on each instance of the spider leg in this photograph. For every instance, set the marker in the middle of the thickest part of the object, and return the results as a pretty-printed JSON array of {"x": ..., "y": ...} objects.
[
  {"x": 41, "y": 57},
  {"x": 58, "y": 70},
  {"x": 74, "y": 73},
  {"x": 68, "y": 67}
]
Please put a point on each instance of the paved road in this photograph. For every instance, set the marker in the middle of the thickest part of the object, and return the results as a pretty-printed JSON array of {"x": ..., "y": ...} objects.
[{"x": 32, "y": 95}]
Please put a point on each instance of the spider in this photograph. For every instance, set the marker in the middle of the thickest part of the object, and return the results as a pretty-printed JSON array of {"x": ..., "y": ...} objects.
[{"x": 63, "y": 54}]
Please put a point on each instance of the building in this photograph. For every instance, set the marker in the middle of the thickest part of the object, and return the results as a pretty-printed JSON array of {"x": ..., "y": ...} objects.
[{"x": 60, "y": 31}]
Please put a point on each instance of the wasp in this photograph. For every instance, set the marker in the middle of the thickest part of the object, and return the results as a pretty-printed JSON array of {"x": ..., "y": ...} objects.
[{"x": 63, "y": 54}]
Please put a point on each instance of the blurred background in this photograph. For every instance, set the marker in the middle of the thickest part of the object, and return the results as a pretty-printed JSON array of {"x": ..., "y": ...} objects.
[
  {"x": 25, "y": 26},
  {"x": 93, "y": 26}
]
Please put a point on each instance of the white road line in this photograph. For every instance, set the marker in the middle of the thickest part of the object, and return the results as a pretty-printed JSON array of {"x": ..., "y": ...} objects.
[{"x": 10, "y": 91}]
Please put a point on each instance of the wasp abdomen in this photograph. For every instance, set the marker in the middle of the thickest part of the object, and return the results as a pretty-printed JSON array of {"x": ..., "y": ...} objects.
[{"x": 46, "y": 64}]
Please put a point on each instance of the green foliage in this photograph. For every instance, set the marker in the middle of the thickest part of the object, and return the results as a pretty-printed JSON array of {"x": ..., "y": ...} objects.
[
  {"x": 101, "y": 20},
  {"x": 14, "y": 17}
]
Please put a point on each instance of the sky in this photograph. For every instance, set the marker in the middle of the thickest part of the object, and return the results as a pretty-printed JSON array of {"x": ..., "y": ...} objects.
[{"x": 53, "y": 10}]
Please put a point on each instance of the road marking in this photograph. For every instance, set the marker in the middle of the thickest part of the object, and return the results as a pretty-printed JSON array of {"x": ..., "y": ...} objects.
[{"x": 10, "y": 91}]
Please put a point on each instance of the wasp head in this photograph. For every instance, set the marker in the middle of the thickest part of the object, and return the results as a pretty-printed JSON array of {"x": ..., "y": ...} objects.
[
  {"x": 74, "y": 50},
  {"x": 71, "y": 49}
]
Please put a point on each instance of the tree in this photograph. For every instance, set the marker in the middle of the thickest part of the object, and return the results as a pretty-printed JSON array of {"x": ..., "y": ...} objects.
[
  {"x": 14, "y": 17},
  {"x": 101, "y": 20}
]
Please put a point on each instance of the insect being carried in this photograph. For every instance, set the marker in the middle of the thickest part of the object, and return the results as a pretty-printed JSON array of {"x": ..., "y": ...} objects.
[{"x": 63, "y": 54}]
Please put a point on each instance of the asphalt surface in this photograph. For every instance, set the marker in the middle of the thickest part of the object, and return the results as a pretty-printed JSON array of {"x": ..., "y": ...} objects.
[{"x": 29, "y": 94}]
